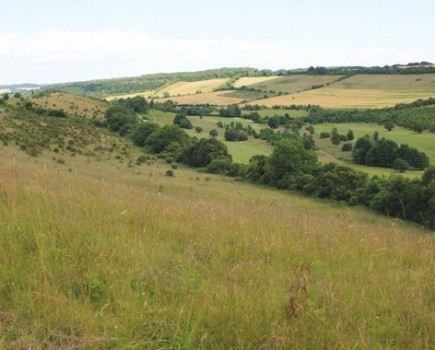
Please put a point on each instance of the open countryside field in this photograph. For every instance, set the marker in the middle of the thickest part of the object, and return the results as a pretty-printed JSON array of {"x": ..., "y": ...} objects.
[
  {"x": 424, "y": 142},
  {"x": 247, "y": 81},
  {"x": 104, "y": 261},
  {"x": 72, "y": 104},
  {"x": 191, "y": 87},
  {"x": 213, "y": 98},
  {"x": 145, "y": 94},
  {"x": 410, "y": 82},
  {"x": 294, "y": 83},
  {"x": 240, "y": 151},
  {"x": 332, "y": 97}
]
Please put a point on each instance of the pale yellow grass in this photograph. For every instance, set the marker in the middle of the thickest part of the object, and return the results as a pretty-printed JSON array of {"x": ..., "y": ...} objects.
[
  {"x": 246, "y": 81},
  {"x": 213, "y": 98},
  {"x": 331, "y": 97},
  {"x": 145, "y": 94},
  {"x": 191, "y": 87},
  {"x": 410, "y": 82},
  {"x": 2, "y": 91},
  {"x": 73, "y": 104}
]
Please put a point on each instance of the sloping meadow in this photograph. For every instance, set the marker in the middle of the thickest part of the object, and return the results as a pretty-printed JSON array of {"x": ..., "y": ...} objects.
[{"x": 199, "y": 261}]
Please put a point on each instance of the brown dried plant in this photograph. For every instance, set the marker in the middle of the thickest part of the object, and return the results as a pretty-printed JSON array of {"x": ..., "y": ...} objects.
[{"x": 298, "y": 292}]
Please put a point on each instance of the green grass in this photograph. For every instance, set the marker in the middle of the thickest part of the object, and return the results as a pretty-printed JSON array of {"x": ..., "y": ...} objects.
[
  {"x": 243, "y": 151},
  {"x": 270, "y": 112},
  {"x": 95, "y": 258},
  {"x": 411, "y": 82},
  {"x": 424, "y": 142},
  {"x": 98, "y": 252}
]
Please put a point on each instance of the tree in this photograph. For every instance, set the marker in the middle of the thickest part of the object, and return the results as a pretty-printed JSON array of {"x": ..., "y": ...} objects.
[
  {"x": 201, "y": 153},
  {"x": 198, "y": 129},
  {"x": 389, "y": 125},
  {"x": 213, "y": 133},
  {"x": 141, "y": 133},
  {"x": 335, "y": 137},
  {"x": 289, "y": 157},
  {"x": 361, "y": 148},
  {"x": 400, "y": 165},
  {"x": 120, "y": 119},
  {"x": 273, "y": 122},
  {"x": 347, "y": 147},
  {"x": 6, "y": 96},
  {"x": 162, "y": 138},
  {"x": 350, "y": 135},
  {"x": 182, "y": 121}
]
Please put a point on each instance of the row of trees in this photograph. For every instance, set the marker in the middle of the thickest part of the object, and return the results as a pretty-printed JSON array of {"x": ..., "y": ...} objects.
[{"x": 386, "y": 153}]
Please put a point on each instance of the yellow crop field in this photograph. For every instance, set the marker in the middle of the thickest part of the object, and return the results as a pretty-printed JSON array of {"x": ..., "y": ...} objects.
[
  {"x": 191, "y": 87},
  {"x": 246, "y": 81},
  {"x": 72, "y": 104},
  {"x": 331, "y": 97},
  {"x": 410, "y": 82},
  {"x": 213, "y": 98},
  {"x": 145, "y": 94}
]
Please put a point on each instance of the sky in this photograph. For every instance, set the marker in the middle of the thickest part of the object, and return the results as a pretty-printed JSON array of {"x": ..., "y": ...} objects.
[{"x": 50, "y": 41}]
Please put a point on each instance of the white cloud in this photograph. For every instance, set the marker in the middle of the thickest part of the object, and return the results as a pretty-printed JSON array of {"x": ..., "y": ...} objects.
[{"x": 53, "y": 56}]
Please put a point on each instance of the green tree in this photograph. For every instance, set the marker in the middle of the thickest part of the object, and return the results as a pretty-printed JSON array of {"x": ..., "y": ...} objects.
[
  {"x": 350, "y": 136},
  {"x": 141, "y": 133},
  {"x": 213, "y": 133},
  {"x": 361, "y": 148},
  {"x": 162, "y": 138},
  {"x": 290, "y": 158},
  {"x": 389, "y": 125},
  {"x": 335, "y": 137},
  {"x": 400, "y": 165},
  {"x": 201, "y": 153},
  {"x": 182, "y": 121}
]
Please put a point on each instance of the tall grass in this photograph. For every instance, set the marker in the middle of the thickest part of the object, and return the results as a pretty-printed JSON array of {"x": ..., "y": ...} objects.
[{"x": 92, "y": 264}]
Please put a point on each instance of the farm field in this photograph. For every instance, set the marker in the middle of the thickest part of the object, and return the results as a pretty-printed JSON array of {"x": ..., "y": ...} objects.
[
  {"x": 104, "y": 261},
  {"x": 425, "y": 142},
  {"x": 145, "y": 94},
  {"x": 72, "y": 104},
  {"x": 294, "y": 83},
  {"x": 190, "y": 87},
  {"x": 247, "y": 81},
  {"x": 213, "y": 98},
  {"x": 332, "y": 97},
  {"x": 410, "y": 82}
]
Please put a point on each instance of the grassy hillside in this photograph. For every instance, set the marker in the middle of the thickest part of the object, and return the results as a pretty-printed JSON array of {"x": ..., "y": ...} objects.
[
  {"x": 95, "y": 258},
  {"x": 247, "y": 81},
  {"x": 411, "y": 82},
  {"x": 294, "y": 83},
  {"x": 98, "y": 250},
  {"x": 72, "y": 104},
  {"x": 331, "y": 97},
  {"x": 193, "y": 87},
  {"x": 214, "y": 98}
]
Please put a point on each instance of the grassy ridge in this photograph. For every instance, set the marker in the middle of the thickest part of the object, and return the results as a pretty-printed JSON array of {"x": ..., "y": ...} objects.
[{"x": 111, "y": 264}]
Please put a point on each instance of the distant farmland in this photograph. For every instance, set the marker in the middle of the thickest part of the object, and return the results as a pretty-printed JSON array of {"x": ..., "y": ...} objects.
[
  {"x": 363, "y": 91},
  {"x": 213, "y": 98},
  {"x": 247, "y": 81},
  {"x": 191, "y": 87}
]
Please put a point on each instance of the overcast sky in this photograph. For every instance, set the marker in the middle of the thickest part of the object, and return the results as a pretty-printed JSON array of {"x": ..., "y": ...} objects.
[{"x": 47, "y": 41}]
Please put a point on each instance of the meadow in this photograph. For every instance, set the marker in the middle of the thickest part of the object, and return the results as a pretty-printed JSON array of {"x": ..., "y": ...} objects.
[
  {"x": 247, "y": 81},
  {"x": 191, "y": 87},
  {"x": 72, "y": 104},
  {"x": 111, "y": 255},
  {"x": 424, "y": 142},
  {"x": 214, "y": 98}
]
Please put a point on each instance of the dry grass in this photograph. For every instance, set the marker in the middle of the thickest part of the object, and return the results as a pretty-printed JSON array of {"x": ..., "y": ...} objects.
[
  {"x": 145, "y": 94},
  {"x": 95, "y": 258},
  {"x": 213, "y": 98},
  {"x": 191, "y": 87},
  {"x": 332, "y": 97},
  {"x": 73, "y": 104},
  {"x": 246, "y": 81},
  {"x": 410, "y": 82}
]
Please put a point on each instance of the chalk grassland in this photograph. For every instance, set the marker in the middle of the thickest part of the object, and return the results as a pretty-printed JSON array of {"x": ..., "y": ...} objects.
[
  {"x": 424, "y": 142},
  {"x": 191, "y": 87},
  {"x": 213, "y": 98},
  {"x": 411, "y": 82},
  {"x": 145, "y": 94},
  {"x": 247, "y": 81},
  {"x": 73, "y": 104},
  {"x": 331, "y": 97},
  {"x": 95, "y": 258},
  {"x": 294, "y": 83}
]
